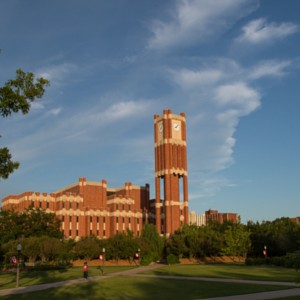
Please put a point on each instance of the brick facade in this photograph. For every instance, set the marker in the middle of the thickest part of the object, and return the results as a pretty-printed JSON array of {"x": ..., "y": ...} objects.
[
  {"x": 90, "y": 208},
  {"x": 215, "y": 216},
  {"x": 170, "y": 172}
]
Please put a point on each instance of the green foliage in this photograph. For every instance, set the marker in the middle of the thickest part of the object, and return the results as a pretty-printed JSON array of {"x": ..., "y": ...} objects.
[
  {"x": 87, "y": 248},
  {"x": 7, "y": 166},
  {"x": 28, "y": 223},
  {"x": 172, "y": 259},
  {"x": 215, "y": 239},
  {"x": 281, "y": 236},
  {"x": 151, "y": 244},
  {"x": 291, "y": 260},
  {"x": 123, "y": 245},
  {"x": 16, "y": 95}
]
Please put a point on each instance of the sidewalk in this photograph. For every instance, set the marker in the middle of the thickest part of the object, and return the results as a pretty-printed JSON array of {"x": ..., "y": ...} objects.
[
  {"x": 32, "y": 288},
  {"x": 135, "y": 271}
]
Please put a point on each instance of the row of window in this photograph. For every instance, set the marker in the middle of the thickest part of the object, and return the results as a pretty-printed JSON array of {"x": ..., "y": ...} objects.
[
  {"x": 98, "y": 218},
  {"x": 76, "y": 205}
]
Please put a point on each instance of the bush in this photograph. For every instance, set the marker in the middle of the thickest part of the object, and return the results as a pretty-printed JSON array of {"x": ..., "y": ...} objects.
[
  {"x": 172, "y": 259},
  {"x": 148, "y": 258}
]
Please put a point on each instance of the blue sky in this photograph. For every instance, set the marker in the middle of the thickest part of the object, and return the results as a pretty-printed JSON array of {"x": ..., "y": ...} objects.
[{"x": 232, "y": 66}]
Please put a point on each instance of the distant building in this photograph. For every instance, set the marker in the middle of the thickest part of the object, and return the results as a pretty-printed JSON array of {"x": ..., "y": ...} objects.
[
  {"x": 296, "y": 220},
  {"x": 197, "y": 219},
  {"x": 215, "y": 216}
]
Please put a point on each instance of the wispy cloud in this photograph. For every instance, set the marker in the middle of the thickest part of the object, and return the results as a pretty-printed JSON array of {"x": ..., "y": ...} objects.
[
  {"x": 76, "y": 127},
  {"x": 56, "y": 73},
  {"x": 196, "y": 20},
  {"x": 260, "y": 31},
  {"x": 269, "y": 69}
]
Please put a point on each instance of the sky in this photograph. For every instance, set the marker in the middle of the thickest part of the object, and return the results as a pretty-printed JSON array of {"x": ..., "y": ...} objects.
[{"x": 232, "y": 66}]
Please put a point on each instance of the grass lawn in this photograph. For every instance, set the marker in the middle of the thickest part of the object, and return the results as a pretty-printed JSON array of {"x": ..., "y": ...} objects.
[
  {"x": 8, "y": 280},
  {"x": 139, "y": 288},
  {"x": 230, "y": 272}
]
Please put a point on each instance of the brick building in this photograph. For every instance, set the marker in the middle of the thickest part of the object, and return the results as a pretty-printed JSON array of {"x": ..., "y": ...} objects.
[
  {"x": 215, "y": 216},
  {"x": 90, "y": 208},
  {"x": 87, "y": 208}
]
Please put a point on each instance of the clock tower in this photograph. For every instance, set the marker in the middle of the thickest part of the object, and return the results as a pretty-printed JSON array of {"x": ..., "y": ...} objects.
[{"x": 171, "y": 178}]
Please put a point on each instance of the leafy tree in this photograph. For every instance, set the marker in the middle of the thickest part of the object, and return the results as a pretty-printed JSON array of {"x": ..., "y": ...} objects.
[
  {"x": 281, "y": 236},
  {"x": 152, "y": 244},
  {"x": 236, "y": 240},
  {"x": 31, "y": 248},
  {"x": 87, "y": 248},
  {"x": 16, "y": 95},
  {"x": 123, "y": 245},
  {"x": 28, "y": 223},
  {"x": 50, "y": 248}
]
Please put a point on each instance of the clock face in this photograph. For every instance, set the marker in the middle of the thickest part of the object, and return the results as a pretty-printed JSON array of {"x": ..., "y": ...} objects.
[
  {"x": 176, "y": 126},
  {"x": 161, "y": 127}
]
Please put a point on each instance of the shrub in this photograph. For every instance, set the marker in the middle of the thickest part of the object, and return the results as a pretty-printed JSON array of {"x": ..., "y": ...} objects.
[{"x": 172, "y": 259}]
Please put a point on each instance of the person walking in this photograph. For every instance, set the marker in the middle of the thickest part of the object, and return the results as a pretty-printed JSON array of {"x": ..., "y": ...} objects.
[{"x": 85, "y": 270}]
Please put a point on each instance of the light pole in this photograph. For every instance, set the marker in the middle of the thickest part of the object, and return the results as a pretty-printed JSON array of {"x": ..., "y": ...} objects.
[
  {"x": 19, "y": 249},
  {"x": 103, "y": 259}
]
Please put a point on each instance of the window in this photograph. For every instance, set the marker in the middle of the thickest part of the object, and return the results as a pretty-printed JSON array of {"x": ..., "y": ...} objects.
[
  {"x": 123, "y": 206},
  {"x": 97, "y": 219},
  {"x": 77, "y": 219},
  {"x": 91, "y": 232},
  {"x": 63, "y": 218},
  {"x": 77, "y": 205},
  {"x": 91, "y": 219},
  {"x": 70, "y": 219},
  {"x": 117, "y": 219},
  {"x": 70, "y": 205},
  {"x": 47, "y": 204},
  {"x": 129, "y": 220},
  {"x": 70, "y": 232},
  {"x": 137, "y": 221},
  {"x": 123, "y": 220},
  {"x": 103, "y": 219},
  {"x": 103, "y": 232},
  {"x": 117, "y": 206},
  {"x": 63, "y": 204},
  {"x": 76, "y": 232}
]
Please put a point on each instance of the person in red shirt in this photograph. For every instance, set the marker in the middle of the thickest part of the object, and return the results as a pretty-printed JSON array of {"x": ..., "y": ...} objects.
[{"x": 85, "y": 270}]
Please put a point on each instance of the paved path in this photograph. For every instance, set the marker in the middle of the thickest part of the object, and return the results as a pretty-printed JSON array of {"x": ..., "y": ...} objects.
[{"x": 135, "y": 271}]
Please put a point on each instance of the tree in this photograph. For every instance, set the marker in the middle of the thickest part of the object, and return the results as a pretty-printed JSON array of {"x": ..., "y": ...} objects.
[
  {"x": 28, "y": 223},
  {"x": 87, "y": 248},
  {"x": 16, "y": 95},
  {"x": 151, "y": 244}
]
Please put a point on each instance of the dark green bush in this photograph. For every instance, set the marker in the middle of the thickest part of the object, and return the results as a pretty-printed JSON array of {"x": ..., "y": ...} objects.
[{"x": 172, "y": 259}]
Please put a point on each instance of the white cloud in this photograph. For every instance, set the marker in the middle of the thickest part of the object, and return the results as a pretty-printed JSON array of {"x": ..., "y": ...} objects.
[
  {"x": 269, "y": 68},
  {"x": 56, "y": 73},
  {"x": 239, "y": 96},
  {"x": 70, "y": 131},
  {"x": 193, "y": 79},
  {"x": 260, "y": 31},
  {"x": 195, "y": 20},
  {"x": 55, "y": 111}
]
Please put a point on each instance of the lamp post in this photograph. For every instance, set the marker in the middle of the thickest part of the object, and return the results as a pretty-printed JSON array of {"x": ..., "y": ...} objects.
[
  {"x": 103, "y": 259},
  {"x": 19, "y": 249}
]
